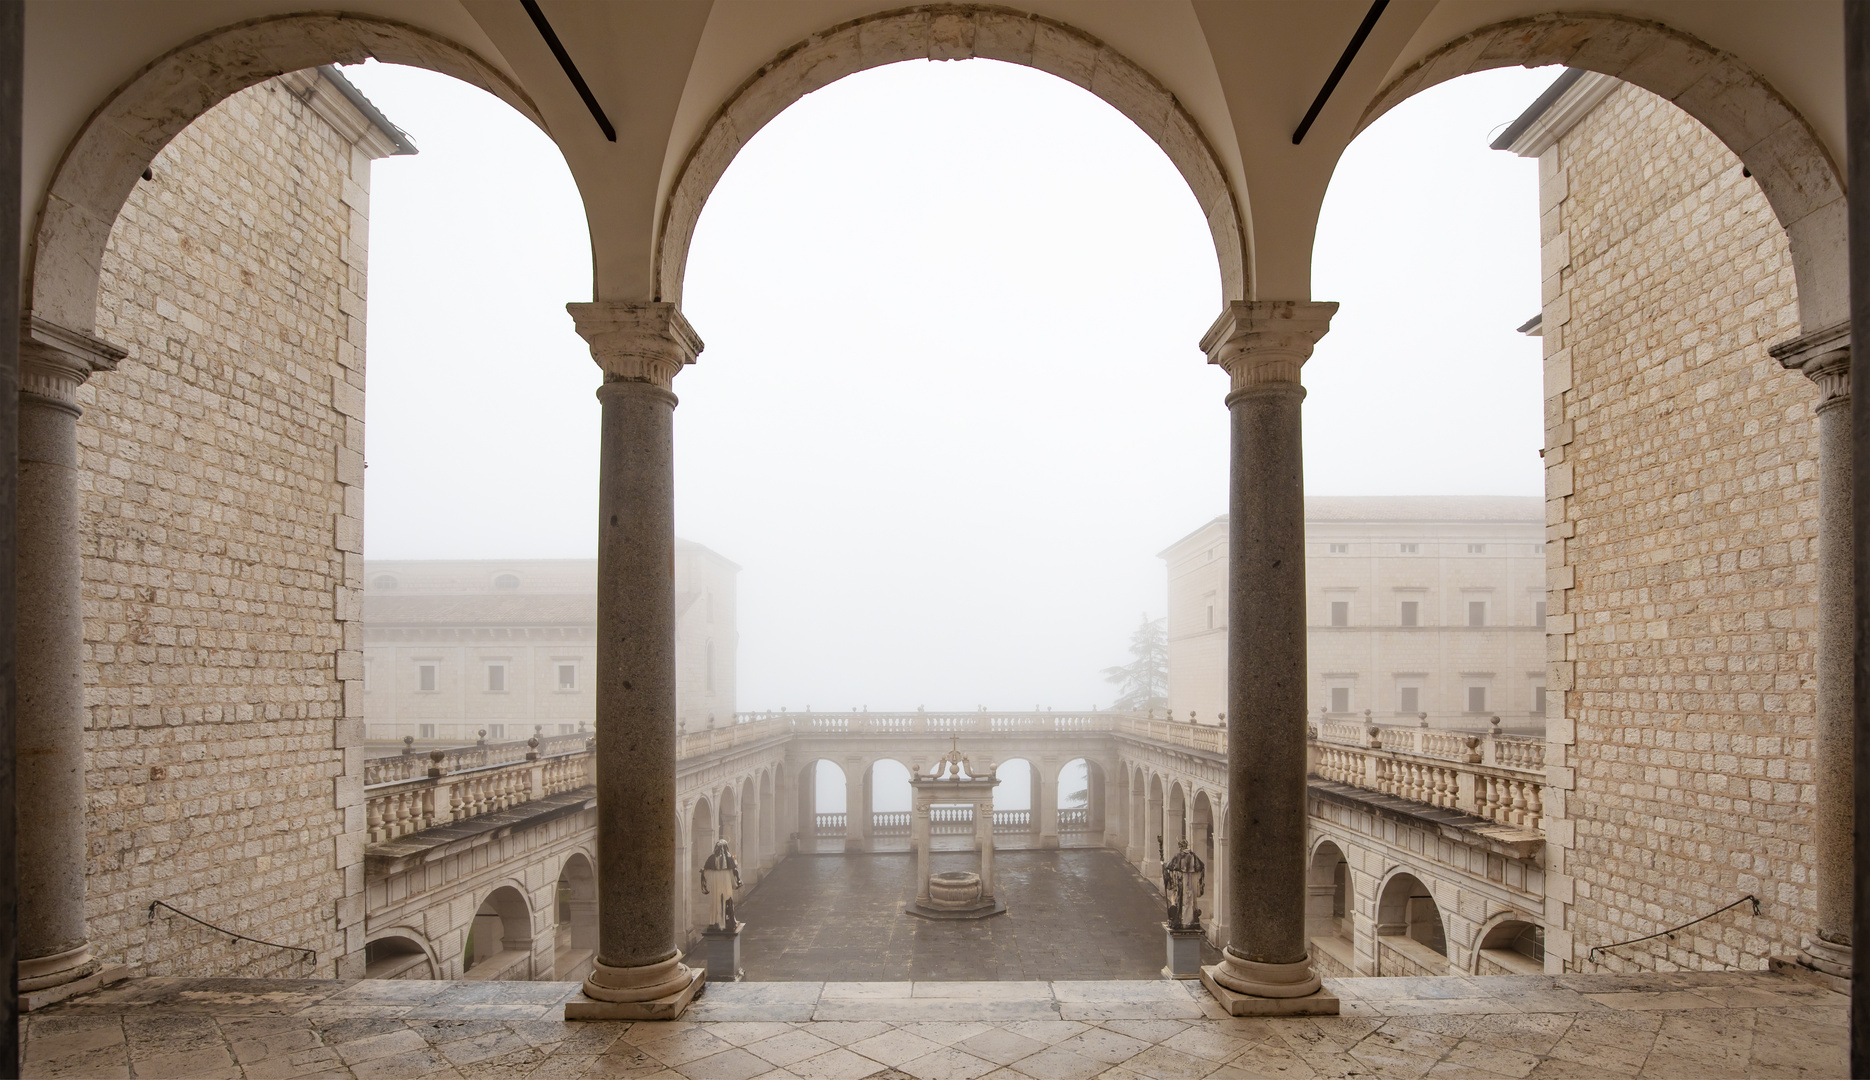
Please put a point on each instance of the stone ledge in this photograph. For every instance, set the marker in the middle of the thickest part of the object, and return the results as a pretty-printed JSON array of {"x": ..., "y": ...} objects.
[
  {"x": 102, "y": 977},
  {"x": 581, "y": 1007}
]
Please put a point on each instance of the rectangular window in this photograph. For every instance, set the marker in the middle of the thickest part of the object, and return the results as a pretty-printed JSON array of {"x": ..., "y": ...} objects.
[
  {"x": 1340, "y": 549},
  {"x": 1476, "y": 699},
  {"x": 1408, "y": 699},
  {"x": 1340, "y": 699},
  {"x": 425, "y": 677},
  {"x": 1538, "y": 701},
  {"x": 1477, "y": 549},
  {"x": 1411, "y": 614},
  {"x": 1477, "y": 613},
  {"x": 496, "y": 678},
  {"x": 425, "y": 731},
  {"x": 1340, "y": 613},
  {"x": 1410, "y": 549},
  {"x": 496, "y": 731},
  {"x": 1538, "y": 613},
  {"x": 1210, "y": 616},
  {"x": 565, "y": 729},
  {"x": 568, "y": 676}
]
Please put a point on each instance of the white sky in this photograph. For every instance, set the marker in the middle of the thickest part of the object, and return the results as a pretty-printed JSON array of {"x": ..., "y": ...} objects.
[{"x": 951, "y": 404}]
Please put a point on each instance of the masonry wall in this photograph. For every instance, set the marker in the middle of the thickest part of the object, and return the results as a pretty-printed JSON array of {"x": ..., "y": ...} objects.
[
  {"x": 221, "y": 477},
  {"x": 1682, "y": 512}
]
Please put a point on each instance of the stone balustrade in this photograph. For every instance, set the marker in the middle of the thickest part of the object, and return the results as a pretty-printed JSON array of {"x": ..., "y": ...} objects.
[
  {"x": 1193, "y": 736},
  {"x": 921, "y": 722},
  {"x": 398, "y": 807},
  {"x": 1494, "y": 776}
]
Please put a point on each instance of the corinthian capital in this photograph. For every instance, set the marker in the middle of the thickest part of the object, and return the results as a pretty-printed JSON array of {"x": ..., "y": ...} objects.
[
  {"x": 1824, "y": 357},
  {"x": 637, "y": 342},
  {"x": 55, "y": 361},
  {"x": 1265, "y": 342}
]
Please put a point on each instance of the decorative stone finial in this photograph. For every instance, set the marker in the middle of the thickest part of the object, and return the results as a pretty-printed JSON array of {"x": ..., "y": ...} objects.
[
  {"x": 482, "y": 741},
  {"x": 409, "y": 744}
]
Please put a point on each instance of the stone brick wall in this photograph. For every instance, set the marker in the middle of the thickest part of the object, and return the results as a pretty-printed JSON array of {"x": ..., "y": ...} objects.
[
  {"x": 221, "y": 476},
  {"x": 1682, "y": 512}
]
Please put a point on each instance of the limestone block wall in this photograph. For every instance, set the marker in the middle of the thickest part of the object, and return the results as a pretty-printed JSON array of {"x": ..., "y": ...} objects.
[
  {"x": 1681, "y": 513},
  {"x": 221, "y": 472}
]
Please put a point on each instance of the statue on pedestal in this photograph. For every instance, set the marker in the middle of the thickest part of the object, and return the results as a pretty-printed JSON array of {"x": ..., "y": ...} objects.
[
  {"x": 1184, "y": 879},
  {"x": 720, "y": 876}
]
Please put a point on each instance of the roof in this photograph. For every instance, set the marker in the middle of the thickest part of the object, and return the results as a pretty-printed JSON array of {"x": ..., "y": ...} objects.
[
  {"x": 500, "y": 609},
  {"x": 397, "y": 136},
  {"x": 1449, "y": 508},
  {"x": 1537, "y": 109}
]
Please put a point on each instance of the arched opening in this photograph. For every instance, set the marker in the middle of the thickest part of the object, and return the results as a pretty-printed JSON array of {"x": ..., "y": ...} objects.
[
  {"x": 702, "y": 833},
  {"x": 1201, "y": 840},
  {"x": 1155, "y": 845},
  {"x": 1410, "y": 938},
  {"x": 1511, "y": 947},
  {"x": 1138, "y": 840},
  {"x": 1174, "y": 821},
  {"x": 727, "y": 819},
  {"x": 1016, "y": 818},
  {"x": 891, "y": 800},
  {"x": 1081, "y": 804},
  {"x": 769, "y": 821},
  {"x": 575, "y": 943},
  {"x": 499, "y": 944},
  {"x": 823, "y": 802},
  {"x": 1330, "y": 911},
  {"x": 397, "y": 957}
]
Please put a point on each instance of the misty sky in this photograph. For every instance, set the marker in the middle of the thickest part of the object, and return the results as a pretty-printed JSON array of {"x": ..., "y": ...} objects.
[{"x": 951, "y": 404}]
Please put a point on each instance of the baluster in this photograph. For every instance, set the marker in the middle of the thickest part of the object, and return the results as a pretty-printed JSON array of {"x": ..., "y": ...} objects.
[{"x": 1535, "y": 806}]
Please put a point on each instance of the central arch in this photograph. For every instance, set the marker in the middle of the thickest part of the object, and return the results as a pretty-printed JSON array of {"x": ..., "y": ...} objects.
[{"x": 947, "y": 32}]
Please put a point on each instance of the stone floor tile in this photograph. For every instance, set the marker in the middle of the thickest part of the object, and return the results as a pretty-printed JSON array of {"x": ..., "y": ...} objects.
[
  {"x": 743, "y": 1033},
  {"x": 52, "y": 1037},
  {"x": 1097, "y": 1011},
  {"x": 839, "y": 1064},
  {"x": 344, "y": 1030},
  {"x": 1264, "y": 1060},
  {"x": 984, "y": 991},
  {"x": 1533, "y": 1033},
  {"x": 625, "y": 1060},
  {"x": 155, "y": 1036},
  {"x": 844, "y": 1033},
  {"x": 1000, "y": 1046},
  {"x": 1409, "y": 1039},
  {"x": 1500, "y": 1060},
  {"x": 584, "y": 1037},
  {"x": 436, "y": 1032},
  {"x": 561, "y": 1066},
  {"x": 796, "y": 1044},
  {"x": 1611, "y": 1058},
  {"x": 1653, "y": 999},
  {"x": 1056, "y": 1063},
  {"x": 1162, "y": 1061},
  {"x": 511, "y": 1065},
  {"x": 1449, "y": 1070},
  {"x": 103, "y": 1061},
  {"x": 903, "y": 1010},
  {"x": 1045, "y": 1031},
  {"x": 868, "y": 989},
  {"x": 1109, "y": 1047},
  {"x": 1203, "y": 1042},
  {"x": 1326, "y": 1034},
  {"x": 1150, "y": 1031},
  {"x": 1453, "y": 1025},
  {"x": 948, "y": 1063},
  {"x": 316, "y": 1061},
  {"x": 1391, "y": 1063},
  {"x": 1785, "y": 1042},
  {"x": 945, "y": 1032},
  {"x": 734, "y": 1064},
  {"x": 387, "y": 1044},
  {"x": 683, "y": 1046},
  {"x": 482, "y": 1047},
  {"x": 424, "y": 1062},
  {"x": 210, "y": 1063},
  {"x": 894, "y": 1047}
]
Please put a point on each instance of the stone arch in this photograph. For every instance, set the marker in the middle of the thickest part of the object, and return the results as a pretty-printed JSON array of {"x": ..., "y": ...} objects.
[
  {"x": 1330, "y": 894},
  {"x": 1410, "y": 929},
  {"x": 948, "y": 32},
  {"x": 106, "y": 159},
  {"x": 1795, "y": 171},
  {"x": 400, "y": 952},
  {"x": 769, "y": 820},
  {"x": 1174, "y": 819},
  {"x": 504, "y": 919},
  {"x": 750, "y": 813},
  {"x": 1203, "y": 840},
  {"x": 575, "y": 915},
  {"x": 1508, "y": 943},
  {"x": 701, "y": 834}
]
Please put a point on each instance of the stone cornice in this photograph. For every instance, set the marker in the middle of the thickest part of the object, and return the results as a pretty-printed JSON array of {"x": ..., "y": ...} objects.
[
  {"x": 1266, "y": 342},
  {"x": 1824, "y": 357},
  {"x": 637, "y": 342},
  {"x": 1562, "y": 115},
  {"x": 56, "y": 360}
]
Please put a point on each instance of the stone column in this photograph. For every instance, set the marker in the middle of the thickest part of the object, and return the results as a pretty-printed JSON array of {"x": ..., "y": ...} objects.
[
  {"x": 1045, "y": 802},
  {"x": 54, "y": 946},
  {"x": 1825, "y": 358},
  {"x": 638, "y": 972},
  {"x": 1266, "y": 967},
  {"x": 1153, "y": 853},
  {"x": 858, "y": 817},
  {"x": 1138, "y": 822},
  {"x": 920, "y": 834},
  {"x": 983, "y": 833}
]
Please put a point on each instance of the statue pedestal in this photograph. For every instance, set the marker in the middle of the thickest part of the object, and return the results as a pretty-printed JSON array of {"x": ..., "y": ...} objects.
[
  {"x": 1184, "y": 953},
  {"x": 721, "y": 949}
]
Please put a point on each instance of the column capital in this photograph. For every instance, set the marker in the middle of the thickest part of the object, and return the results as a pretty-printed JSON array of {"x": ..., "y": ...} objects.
[
  {"x": 637, "y": 342},
  {"x": 1824, "y": 357},
  {"x": 1265, "y": 342},
  {"x": 56, "y": 360}
]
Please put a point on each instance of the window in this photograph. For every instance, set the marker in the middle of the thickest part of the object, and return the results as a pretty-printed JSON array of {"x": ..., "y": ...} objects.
[
  {"x": 425, "y": 731},
  {"x": 1477, "y": 613},
  {"x": 1340, "y": 613},
  {"x": 1538, "y": 613},
  {"x": 564, "y": 729},
  {"x": 1538, "y": 701},
  {"x": 496, "y": 678},
  {"x": 1411, "y": 613},
  {"x": 1340, "y": 549},
  {"x": 496, "y": 731},
  {"x": 384, "y": 582},
  {"x": 710, "y": 673},
  {"x": 1210, "y": 616},
  {"x": 1476, "y": 699},
  {"x": 568, "y": 676},
  {"x": 1410, "y": 549},
  {"x": 425, "y": 677},
  {"x": 506, "y": 581},
  {"x": 1408, "y": 699},
  {"x": 1340, "y": 699},
  {"x": 1477, "y": 549}
]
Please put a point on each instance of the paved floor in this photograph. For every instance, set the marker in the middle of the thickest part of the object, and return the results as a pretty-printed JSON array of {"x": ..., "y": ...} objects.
[
  {"x": 1073, "y": 914},
  {"x": 1684, "y": 1025}
]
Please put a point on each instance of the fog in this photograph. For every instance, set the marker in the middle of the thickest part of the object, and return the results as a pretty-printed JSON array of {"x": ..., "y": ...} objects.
[{"x": 951, "y": 403}]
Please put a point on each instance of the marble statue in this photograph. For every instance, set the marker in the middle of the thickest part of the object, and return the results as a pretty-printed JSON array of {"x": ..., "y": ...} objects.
[
  {"x": 720, "y": 876},
  {"x": 1184, "y": 878}
]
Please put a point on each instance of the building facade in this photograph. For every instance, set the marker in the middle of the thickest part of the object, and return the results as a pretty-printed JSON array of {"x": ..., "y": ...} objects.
[
  {"x": 461, "y": 650},
  {"x": 1417, "y": 609}
]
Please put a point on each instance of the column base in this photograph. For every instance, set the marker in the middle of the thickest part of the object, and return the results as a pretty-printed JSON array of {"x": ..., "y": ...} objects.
[
  {"x": 102, "y": 977},
  {"x": 652, "y": 992},
  {"x": 1823, "y": 962},
  {"x": 1319, "y": 1002},
  {"x": 1251, "y": 988}
]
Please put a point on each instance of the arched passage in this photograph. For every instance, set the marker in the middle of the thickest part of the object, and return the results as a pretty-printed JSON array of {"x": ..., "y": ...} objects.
[
  {"x": 1082, "y": 799},
  {"x": 1410, "y": 936},
  {"x": 1794, "y": 170},
  {"x": 769, "y": 821},
  {"x": 948, "y": 33},
  {"x": 398, "y": 956},
  {"x": 823, "y": 798},
  {"x": 1201, "y": 837},
  {"x": 749, "y": 851},
  {"x": 499, "y": 943},
  {"x": 701, "y": 835},
  {"x": 576, "y": 911},
  {"x": 1154, "y": 846},
  {"x": 1510, "y": 946},
  {"x": 890, "y": 804},
  {"x": 1330, "y": 910},
  {"x": 1174, "y": 821}
]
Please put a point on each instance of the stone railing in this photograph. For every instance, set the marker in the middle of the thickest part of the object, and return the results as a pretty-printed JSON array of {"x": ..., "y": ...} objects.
[
  {"x": 396, "y": 808},
  {"x": 1194, "y": 736},
  {"x": 921, "y": 722},
  {"x": 1498, "y": 777},
  {"x": 413, "y": 763},
  {"x": 712, "y": 740}
]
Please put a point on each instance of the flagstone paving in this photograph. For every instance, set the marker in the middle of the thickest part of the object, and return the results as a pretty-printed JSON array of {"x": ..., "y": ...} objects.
[{"x": 1665, "y": 1026}]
